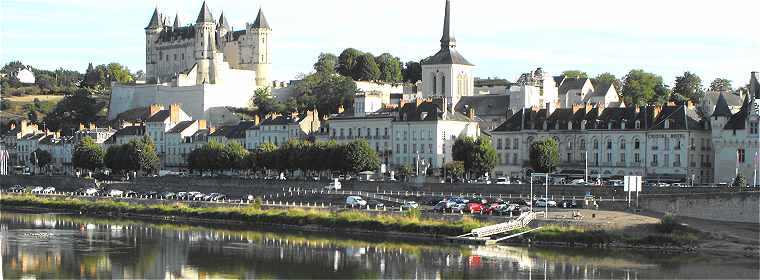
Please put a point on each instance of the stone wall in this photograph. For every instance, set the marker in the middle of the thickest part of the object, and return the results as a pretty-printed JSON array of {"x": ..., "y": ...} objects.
[{"x": 741, "y": 207}]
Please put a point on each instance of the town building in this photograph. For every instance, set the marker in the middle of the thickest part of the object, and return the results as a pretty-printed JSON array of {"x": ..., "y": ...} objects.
[{"x": 657, "y": 142}]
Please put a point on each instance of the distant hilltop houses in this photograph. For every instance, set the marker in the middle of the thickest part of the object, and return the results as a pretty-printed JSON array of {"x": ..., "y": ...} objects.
[{"x": 196, "y": 74}]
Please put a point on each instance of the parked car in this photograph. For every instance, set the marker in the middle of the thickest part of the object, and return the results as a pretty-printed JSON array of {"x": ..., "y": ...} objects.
[
  {"x": 615, "y": 183},
  {"x": 219, "y": 196},
  {"x": 441, "y": 206},
  {"x": 48, "y": 190},
  {"x": 502, "y": 181},
  {"x": 679, "y": 185},
  {"x": 115, "y": 192},
  {"x": 542, "y": 202},
  {"x": 16, "y": 188},
  {"x": 182, "y": 195},
  {"x": 130, "y": 194},
  {"x": 37, "y": 189},
  {"x": 333, "y": 186},
  {"x": 167, "y": 195},
  {"x": 91, "y": 191},
  {"x": 475, "y": 207},
  {"x": 411, "y": 205},
  {"x": 355, "y": 201},
  {"x": 578, "y": 182},
  {"x": 568, "y": 204},
  {"x": 150, "y": 193},
  {"x": 375, "y": 204},
  {"x": 196, "y": 195}
]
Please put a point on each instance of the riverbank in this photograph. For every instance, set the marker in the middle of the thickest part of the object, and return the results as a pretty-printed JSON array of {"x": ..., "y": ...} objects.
[{"x": 668, "y": 235}]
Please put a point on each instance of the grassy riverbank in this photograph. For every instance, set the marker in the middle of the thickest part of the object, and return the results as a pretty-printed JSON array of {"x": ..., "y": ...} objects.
[
  {"x": 668, "y": 233},
  {"x": 344, "y": 220}
]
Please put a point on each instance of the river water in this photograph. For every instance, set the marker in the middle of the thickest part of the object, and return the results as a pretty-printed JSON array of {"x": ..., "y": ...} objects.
[{"x": 47, "y": 246}]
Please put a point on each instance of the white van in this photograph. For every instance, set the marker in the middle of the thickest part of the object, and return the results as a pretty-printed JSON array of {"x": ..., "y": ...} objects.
[
  {"x": 502, "y": 181},
  {"x": 335, "y": 185},
  {"x": 354, "y": 201}
]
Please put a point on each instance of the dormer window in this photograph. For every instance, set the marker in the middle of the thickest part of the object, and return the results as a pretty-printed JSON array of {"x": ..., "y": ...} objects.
[
  {"x": 583, "y": 124},
  {"x": 609, "y": 125},
  {"x": 638, "y": 124},
  {"x": 622, "y": 124},
  {"x": 667, "y": 124}
]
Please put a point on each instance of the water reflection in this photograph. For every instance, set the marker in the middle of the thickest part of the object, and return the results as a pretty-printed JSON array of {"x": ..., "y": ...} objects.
[{"x": 61, "y": 246}]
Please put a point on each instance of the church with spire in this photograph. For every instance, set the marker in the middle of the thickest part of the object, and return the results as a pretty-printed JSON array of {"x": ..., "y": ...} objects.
[
  {"x": 200, "y": 66},
  {"x": 447, "y": 74}
]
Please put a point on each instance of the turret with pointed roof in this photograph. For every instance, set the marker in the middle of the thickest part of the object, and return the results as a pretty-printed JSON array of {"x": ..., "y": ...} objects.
[
  {"x": 261, "y": 21},
  {"x": 176, "y": 21},
  {"x": 223, "y": 21},
  {"x": 155, "y": 20},
  {"x": 721, "y": 107},
  {"x": 205, "y": 14}
]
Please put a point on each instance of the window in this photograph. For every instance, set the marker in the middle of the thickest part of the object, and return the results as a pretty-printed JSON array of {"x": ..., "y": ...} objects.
[
  {"x": 596, "y": 159},
  {"x": 516, "y": 143},
  {"x": 405, "y": 150},
  {"x": 741, "y": 154},
  {"x": 638, "y": 125},
  {"x": 678, "y": 144},
  {"x": 377, "y": 131},
  {"x": 498, "y": 144},
  {"x": 569, "y": 144},
  {"x": 569, "y": 157},
  {"x": 609, "y": 157},
  {"x": 596, "y": 144},
  {"x": 636, "y": 144},
  {"x": 654, "y": 160},
  {"x": 622, "y": 157},
  {"x": 508, "y": 144},
  {"x": 435, "y": 85},
  {"x": 514, "y": 158},
  {"x": 622, "y": 144},
  {"x": 341, "y": 132},
  {"x": 677, "y": 162},
  {"x": 609, "y": 144},
  {"x": 350, "y": 132},
  {"x": 386, "y": 131},
  {"x": 398, "y": 148},
  {"x": 666, "y": 162},
  {"x": 583, "y": 144},
  {"x": 430, "y": 148}
]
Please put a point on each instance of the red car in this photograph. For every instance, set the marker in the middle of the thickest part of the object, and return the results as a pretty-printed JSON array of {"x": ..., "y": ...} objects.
[
  {"x": 475, "y": 207},
  {"x": 492, "y": 209}
]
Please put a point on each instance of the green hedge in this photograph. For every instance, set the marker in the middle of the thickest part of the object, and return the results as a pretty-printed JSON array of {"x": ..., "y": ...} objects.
[{"x": 294, "y": 216}]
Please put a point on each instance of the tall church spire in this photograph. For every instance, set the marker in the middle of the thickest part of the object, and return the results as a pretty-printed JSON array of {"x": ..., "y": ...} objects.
[{"x": 448, "y": 40}]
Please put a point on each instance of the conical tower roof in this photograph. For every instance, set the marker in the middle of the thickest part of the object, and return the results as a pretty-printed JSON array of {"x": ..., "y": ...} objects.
[
  {"x": 223, "y": 21},
  {"x": 205, "y": 14},
  {"x": 155, "y": 21},
  {"x": 176, "y": 21},
  {"x": 261, "y": 21},
  {"x": 721, "y": 107}
]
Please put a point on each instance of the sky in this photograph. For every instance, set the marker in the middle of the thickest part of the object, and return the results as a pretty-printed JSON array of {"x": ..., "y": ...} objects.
[{"x": 504, "y": 38}]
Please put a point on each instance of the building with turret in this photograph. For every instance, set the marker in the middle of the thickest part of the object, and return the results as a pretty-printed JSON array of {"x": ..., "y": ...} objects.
[{"x": 199, "y": 66}]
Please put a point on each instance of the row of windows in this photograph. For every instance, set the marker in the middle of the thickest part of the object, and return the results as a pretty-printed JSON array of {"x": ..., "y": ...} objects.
[
  {"x": 415, "y": 148},
  {"x": 360, "y": 132},
  {"x": 161, "y": 56}
]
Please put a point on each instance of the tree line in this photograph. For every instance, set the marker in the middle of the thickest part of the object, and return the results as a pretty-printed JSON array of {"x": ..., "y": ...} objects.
[
  {"x": 138, "y": 155},
  {"x": 639, "y": 87},
  {"x": 353, "y": 157}
]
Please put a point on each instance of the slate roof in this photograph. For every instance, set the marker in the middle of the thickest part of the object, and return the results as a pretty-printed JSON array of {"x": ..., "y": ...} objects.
[
  {"x": 261, "y": 20},
  {"x": 738, "y": 121},
  {"x": 181, "y": 126},
  {"x": 485, "y": 105},
  {"x": 223, "y": 21},
  {"x": 233, "y": 131},
  {"x": 154, "y": 20},
  {"x": 733, "y": 100},
  {"x": 571, "y": 84},
  {"x": 446, "y": 56},
  {"x": 721, "y": 107},
  {"x": 427, "y": 111},
  {"x": 127, "y": 131},
  {"x": 160, "y": 116},
  {"x": 205, "y": 14},
  {"x": 279, "y": 120},
  {"x": 180, "y": 33},
  {"x": 680, "y": 117}
]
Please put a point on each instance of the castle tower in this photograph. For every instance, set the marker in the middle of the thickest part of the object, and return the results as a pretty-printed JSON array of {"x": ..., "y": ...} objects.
[
  {"x": 152, "y": 31},
  {"x": 261, "y": 51},
  {"x": 223, "y": 27},
  {"x": 205, "y": 45}
]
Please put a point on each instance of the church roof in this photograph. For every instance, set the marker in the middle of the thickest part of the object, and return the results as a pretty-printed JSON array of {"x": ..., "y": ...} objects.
[
  {"x": 721, "y": 107},
  {"x": 205, "y": 14},
  {"x": 448, "y": 53},
  {"x": 154, "y": 20},
  {"x": 484, "y": 105},
  {"x": 261, "y": 21}
]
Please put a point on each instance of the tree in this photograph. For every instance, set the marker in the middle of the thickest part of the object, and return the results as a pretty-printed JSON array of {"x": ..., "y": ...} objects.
[
  {"x": 688, "y": 87},
  {"x": 326, "y": 64},
  {"x": 87, "y": 155},
  {"x": 478, "y": 155},
  {"x": 266, "y": 155},
  {"x": 366, "y": 69},
  {"x": 141, "y": 156},
  {"x": 607, "y": 79},
  {"x": 263, "y": 103},
  {"x": 454, "y": 169},
  {"x": 390, "y": 68},
  {"x": 41, "y": 158},
  {"x": 412, "y": 72},
  {"x": 347, "y": 61},
  {"x": 544, "y": 155},
  {"x": 405, "y": 171},
  {"x": 235, "y": 156},
  {"x": 115, "y": 158},
  {"x": 77, "y": 108},
  {"x": 91, "y": 77},
  {"x": 326, "y": 93},
  {"x": 642, "y": 88},
  {"x": 358, "y": 156},
  {"x": 575, "y": 74},
  {"x": 721, "y": 85},
  {"x": 740, "y": 181},
  {"x": 213, "y": 156}
]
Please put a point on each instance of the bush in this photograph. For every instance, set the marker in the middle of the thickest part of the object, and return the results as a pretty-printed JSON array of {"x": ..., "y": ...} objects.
[{"x": 668, "y": 224}]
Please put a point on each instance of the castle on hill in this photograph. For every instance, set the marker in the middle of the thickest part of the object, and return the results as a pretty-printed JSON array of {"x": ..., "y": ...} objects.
[{"x": 200, "y": 66}]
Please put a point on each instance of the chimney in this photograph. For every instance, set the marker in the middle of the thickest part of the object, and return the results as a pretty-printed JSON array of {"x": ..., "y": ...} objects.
[
  {"x": 341, "y": 109},
  {"x": 601, "y": 106},
  {"x": 690, "y": 104},
  {"x": 92, "y": 126},
  {"x": 202, "y": 124},
  {"x": 471, "y": 114},
  {"x": 577, "y": 107},
  {"x": 256, "y": 120},
  {"x": 657, "y": 111},
  {"x": 81, "y": 126},
  {"x": 637, "y": 109},
  {"x": 155, "y": 108},
  {"x": 589, "y": 107},
  {"x": 174, "y": 113},
  {"x": 211, "y": 130}
]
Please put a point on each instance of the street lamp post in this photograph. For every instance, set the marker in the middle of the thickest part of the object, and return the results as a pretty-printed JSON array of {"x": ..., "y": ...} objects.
[{"x": 546, "y": 192}]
